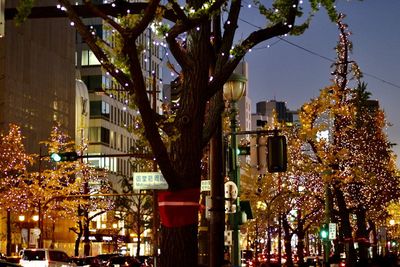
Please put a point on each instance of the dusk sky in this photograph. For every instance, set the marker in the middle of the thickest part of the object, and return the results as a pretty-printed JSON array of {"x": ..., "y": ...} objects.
[{"x": 296, "y": 68}]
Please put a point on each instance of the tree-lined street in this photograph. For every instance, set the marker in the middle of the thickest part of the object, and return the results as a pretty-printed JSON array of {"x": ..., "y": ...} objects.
[{"x": 340, "y": 172}]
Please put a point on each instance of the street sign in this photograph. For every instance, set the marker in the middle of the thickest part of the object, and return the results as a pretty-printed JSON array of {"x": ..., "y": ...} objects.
[
  {"x": 149, "y": 180},
  {"x": 230, "y": 207},
  {"x": 332, "y": 231},
  {"x": 208, "y": 207},
  {"x": 205, "y": 185},
  {"x": 231, "y": 190},
  {"x": 228, "y": 238}
]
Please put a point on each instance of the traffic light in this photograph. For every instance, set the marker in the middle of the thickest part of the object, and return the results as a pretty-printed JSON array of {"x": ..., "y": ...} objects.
[
  {"x": 64, "y": 156},
  {"x": 243, "y": 150},
  {"x": 277, "y": 153},
  {"x": 324, "y": 232}
]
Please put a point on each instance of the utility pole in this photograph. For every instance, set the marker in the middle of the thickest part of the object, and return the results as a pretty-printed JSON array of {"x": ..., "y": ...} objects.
[
  {"x": 155, "y": 195},
  {"x": 217, "y": 216}
]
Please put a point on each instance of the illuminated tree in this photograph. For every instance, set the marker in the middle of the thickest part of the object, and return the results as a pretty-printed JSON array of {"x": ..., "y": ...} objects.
[
  {"x": 13, "y": 166},
  {"x": 292, "y": 200},
  {"x": 200, "y": 36},
  {"x": 74, "y": 188},
  {"x": 306, "y": 193},
  {"x": 136, "y": 210},
  {"x": 55, "y": 190},
  {"x": 355, "y": 158}
]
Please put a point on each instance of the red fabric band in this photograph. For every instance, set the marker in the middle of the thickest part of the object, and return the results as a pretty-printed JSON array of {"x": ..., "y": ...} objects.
[{"x": 179, "y": 208}]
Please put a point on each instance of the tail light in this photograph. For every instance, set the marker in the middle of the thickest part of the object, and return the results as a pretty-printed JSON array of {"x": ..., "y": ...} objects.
[{"x": 342, "y": 264}]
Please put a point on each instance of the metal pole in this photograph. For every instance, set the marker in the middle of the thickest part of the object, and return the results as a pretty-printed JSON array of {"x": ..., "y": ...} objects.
[
  {"x": 327, "y": 242},
  {"x": 8, "y": 252},
  {"x": 235, "y": 176},
  {"x": 217, "y": 216},
  {"x": 40, "y": 215},
  {"x": 156, "y": 221}
]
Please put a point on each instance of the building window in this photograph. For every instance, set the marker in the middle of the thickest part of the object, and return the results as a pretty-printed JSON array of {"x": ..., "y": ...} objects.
[
  {"x": 93, "y": 82},
  {"x": 99, "y": 135},
  {"x": 89, "y": 59},
  {"x": 99, "y": 109}
]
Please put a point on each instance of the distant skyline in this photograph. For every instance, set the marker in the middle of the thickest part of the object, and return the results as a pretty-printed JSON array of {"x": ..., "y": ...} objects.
[{"x": 294, "y": 69}]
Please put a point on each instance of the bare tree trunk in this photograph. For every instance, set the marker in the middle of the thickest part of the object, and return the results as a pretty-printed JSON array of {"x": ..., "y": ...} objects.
[
  {"x": 8, "y": 232},
  {"x": 287, "y": 241},
  {"x": 77, "y": 243},
  {"x": 372, "y": 230},
  {"x": 300, "y": 243},
  {"x": 362, "y": 236},
  {"x": 346, "y": 227},
  {"x": 217, "y": 220},
  {"x": 177, "y": 248}
]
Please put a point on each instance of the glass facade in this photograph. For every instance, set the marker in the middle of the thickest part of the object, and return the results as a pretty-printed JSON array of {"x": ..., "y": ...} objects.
[
  {"x": 89, "y": 59},
  {"x": 99, "y": 109},
  {"x": 99, "y": 135}
]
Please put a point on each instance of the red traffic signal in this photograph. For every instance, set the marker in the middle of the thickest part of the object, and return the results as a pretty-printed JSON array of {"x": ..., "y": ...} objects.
[{"x": 277, "y": 154}]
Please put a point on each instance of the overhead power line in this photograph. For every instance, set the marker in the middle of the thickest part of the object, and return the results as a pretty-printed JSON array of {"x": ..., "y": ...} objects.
[{"x": 316, "y": 54}]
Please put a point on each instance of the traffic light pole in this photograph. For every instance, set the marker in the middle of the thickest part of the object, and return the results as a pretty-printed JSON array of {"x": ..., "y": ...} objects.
[
  {"x": 326, "y": 241},
  {"x": 235, "y": 176}
]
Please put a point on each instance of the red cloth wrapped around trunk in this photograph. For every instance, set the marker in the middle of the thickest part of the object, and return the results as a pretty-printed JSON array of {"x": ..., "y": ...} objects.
[{"x": 179, "y": 208}]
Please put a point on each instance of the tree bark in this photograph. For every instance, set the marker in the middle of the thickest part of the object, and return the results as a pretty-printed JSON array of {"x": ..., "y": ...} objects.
[
  {"x": 372, "y": 230},
  {"x": 287, "y": 241},
  {"x": 362, "y": 236},
  {"x": 300, "y": 243},
  {"x": 217, "y": 220},
  {"x": 346, "y": 226},
  {"x": 178, "y": 241}
]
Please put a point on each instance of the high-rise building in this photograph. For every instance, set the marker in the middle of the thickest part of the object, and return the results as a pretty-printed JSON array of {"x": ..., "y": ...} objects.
[
  {"x": 112, "y": 118},
  {"x": 266, "y": 109},
  {"x": 111, "y": 115},
  {"x": 37, "y": 78},
  {"x": 244, "y": 104},
  {"x": 37, "y": 88}
]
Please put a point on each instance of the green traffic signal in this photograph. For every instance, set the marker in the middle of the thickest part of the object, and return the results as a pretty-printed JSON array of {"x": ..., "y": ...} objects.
[
  {"x": 324, "y": 233},
  {"x": 64, "y": 156},
  {"x": 55, "y": 157}
]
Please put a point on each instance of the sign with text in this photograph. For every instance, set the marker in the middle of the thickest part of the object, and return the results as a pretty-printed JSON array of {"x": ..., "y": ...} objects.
[
  {"x": 205, "y": 185},
  {"x": 332, "y": 231},
  {"x": 149, "y": 180}
]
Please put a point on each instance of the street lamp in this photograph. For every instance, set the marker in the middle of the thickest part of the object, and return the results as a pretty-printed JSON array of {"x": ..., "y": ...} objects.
[{"x": 234, "y": 89}]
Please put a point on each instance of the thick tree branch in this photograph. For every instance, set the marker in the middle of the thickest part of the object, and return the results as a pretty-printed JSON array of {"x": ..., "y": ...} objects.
[
  {"x": 96, "y": 11},
  {"x": 178, "y": 11},
  {"x": 216, "y": 106},
  {"x": 149, "y": 15},
  {"x": 91, "y": 41},
  {"x": 230, "y": 26},
  {"x": 252, "y": 40},
  {"x": 148, "y": 117},
  {"x": 184, "y": 24},
  {"x": 176, "y": 48}
]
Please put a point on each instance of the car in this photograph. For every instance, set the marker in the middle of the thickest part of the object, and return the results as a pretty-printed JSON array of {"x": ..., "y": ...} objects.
[
  {"x": 103, "y": 258},
  {"x": 43, "y": 257},
  {"x": 12, "y": 259},
  {"x": 312, "y": 261},
  {"x": 145, "y": 260},
  {"x": 90, "y": 261},
  {"x": 123, "y": 261},
  {"x": 5, "y": 263}
]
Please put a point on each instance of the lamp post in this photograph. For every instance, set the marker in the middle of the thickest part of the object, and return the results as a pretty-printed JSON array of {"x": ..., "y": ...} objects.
[{"x": 234, "y": 89}]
